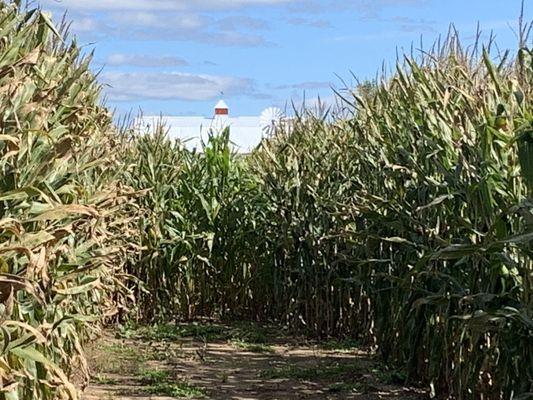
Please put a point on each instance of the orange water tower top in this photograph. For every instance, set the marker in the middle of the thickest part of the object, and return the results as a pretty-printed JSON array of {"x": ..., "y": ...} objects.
[{"x": 221, "y": 108}]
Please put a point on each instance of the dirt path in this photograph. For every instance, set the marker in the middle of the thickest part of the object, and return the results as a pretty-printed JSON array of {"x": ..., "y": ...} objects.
[{"x": 240, "y": 363}]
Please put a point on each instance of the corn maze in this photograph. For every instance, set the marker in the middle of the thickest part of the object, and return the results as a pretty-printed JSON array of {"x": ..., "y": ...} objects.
[{"x": 403, "y": 221}]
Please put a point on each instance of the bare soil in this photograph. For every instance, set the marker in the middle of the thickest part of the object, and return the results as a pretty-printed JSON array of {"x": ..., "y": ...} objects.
[{"x": 141, "y": 368}]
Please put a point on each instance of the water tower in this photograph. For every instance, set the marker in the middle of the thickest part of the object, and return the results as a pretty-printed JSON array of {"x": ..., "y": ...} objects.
[
  {"x": 221, "y": 118},
  {"x": 221, "y": 108}
]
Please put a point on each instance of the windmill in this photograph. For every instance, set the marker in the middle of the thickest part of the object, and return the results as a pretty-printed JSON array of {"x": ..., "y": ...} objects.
[{"x": 270, "y": 120}]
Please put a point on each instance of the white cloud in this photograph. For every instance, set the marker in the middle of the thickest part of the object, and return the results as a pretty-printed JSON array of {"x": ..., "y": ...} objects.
[
  {"x": 159, "y": 21},
  {"x": 236, "y": 30},
  {"x": 205, "y": 21},
  {"x": 237, "y": 22},
  {"x": 307, "y": 85},
  {"x": 138, "y": 60},
  {"x": 313, "y": 23},
  {"x": 188, "y": 27},
  {"x": 85, "y": 24},
  {"x": 158, "y": 5},
  {"x": 408, "y": 24},
  {"x": 373, "y": 8},
  {"x": 129, "y": 86},
  {"x": 366, "y": 8}
]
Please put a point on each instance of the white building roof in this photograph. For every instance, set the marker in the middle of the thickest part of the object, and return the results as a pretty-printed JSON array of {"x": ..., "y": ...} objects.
[
  {"x": 222, "y": 104},
  {"x": 245, "y": 132}
]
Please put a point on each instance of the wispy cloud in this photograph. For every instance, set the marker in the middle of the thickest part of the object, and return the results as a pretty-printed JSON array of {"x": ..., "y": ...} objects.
[
  {"x": 306, "y": 86},
  {"x": 408, "y": 24},
  {"x": 145, "y": 61},
  {"x": 160, "y": 21},
  {"x": 86, "y": 24},
  {"x": 373, "y": 9},
  {"x": 239, "y": 22},
  {"x": 132, "y": 86},
  {"x": 317, "y": 13},
  {"x": 366, "y": 8},
  {"x": 160, "y": 5},
  {"x": 173, "y": 26},
  {"x": 207, "y": 21},
  {"x": 313, "y": 23}
]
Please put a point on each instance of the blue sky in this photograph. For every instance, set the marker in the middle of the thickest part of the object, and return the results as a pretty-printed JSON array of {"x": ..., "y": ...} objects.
[{"x": 175, "y": 56}]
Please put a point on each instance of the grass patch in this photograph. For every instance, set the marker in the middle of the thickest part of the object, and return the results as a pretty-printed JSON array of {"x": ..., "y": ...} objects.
[
  {"x": 105, "y": 380},
  {"x": 339, "y": 345},
  {"x": 159, "y": 382},
  {"x": 252, "y": 333},
  {"x": 244, "y": 331},
  {"x": 117, "y": 358},
  {"x": 390, "y": 377},
  {"x": 311, "y": 373},
  {"x": 120, "y": 350},
  {"x": 154, "y": 376},
  {"x": 344, "y": 387},
  {"x": 175, "y": 389},
  {"x": 172, "y": 332},
  {"x": 252, "y": 347}
]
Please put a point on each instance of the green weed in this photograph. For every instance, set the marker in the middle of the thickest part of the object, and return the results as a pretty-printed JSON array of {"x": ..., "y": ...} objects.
[
  {"x": 320, "y": 371},
  {"x": 178, "y": 390},
  {"x": 252, "y": 347}
]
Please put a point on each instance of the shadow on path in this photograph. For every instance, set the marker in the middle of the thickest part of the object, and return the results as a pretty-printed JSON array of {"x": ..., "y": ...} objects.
[{"x": 226, "y": 367}]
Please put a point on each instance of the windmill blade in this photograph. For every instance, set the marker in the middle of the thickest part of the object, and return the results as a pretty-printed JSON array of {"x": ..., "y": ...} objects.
[{"x": 270, "y": 119}]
